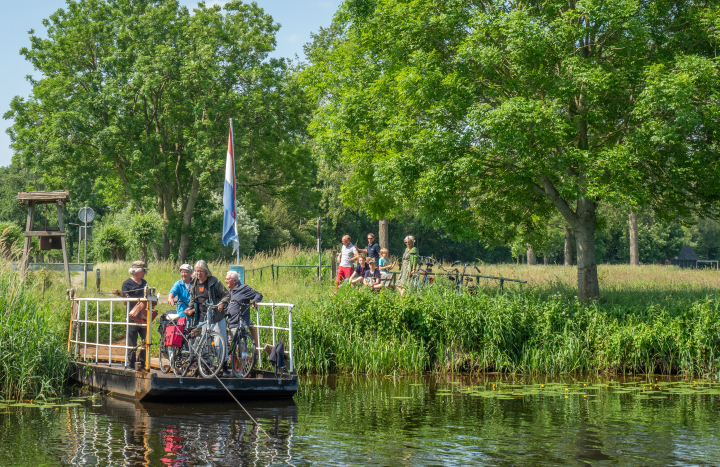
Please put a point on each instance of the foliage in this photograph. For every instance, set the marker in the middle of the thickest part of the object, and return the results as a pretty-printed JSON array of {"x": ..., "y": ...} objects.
[
  {"x": 32, "y": 342},
  {"x": 144, "y": 231},
  {"x": 110, "y": 240},
  {"x": 514, "y": 332},
  {"x": 142, "y": 108},
  {"x": 479, "y": 117}
]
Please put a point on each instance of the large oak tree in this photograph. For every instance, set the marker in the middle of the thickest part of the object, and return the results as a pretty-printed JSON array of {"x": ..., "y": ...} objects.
[
  {"x": 134, "y": 99},
  {"x": 483, "y": 114}
]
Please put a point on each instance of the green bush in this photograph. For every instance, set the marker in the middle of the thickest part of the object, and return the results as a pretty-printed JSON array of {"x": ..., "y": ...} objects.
[
  {"x": 512, "y": 332},
  {"x": 110, "y": 241}
]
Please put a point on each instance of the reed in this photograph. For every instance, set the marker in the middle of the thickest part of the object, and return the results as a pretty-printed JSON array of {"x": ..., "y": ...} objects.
[
  {"x": 521, "y": 333},
  {"x": 649, "y": 319},
  {"x": 32, "y": 341}
]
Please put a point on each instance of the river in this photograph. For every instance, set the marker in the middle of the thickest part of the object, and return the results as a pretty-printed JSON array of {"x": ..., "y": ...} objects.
[{"x": 343, "y": 420}]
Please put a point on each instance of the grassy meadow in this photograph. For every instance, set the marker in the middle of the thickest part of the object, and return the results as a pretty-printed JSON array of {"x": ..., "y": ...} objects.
[{"x": 650, "y": 319}]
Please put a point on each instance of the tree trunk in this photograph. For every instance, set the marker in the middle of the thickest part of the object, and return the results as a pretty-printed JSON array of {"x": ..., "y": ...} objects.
[
  {"x": 156, "y": 252},
  {"x": 588, "y": 286},
  {"x": 531, "y": 259},
  {"x": 568, "y": 247},
  {"x": 634, "y": 253},
  {"x": 187, "y": 218},
  {"x": 546, "y": 261},
  {"x": 384, "y": 234}
]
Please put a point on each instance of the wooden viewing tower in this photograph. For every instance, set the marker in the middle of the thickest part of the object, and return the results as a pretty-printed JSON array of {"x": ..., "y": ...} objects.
[{"x": 48, "y": 238}]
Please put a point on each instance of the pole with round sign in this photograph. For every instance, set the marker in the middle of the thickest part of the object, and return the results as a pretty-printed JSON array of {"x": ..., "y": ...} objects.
[{"x": 86, "y": 215}]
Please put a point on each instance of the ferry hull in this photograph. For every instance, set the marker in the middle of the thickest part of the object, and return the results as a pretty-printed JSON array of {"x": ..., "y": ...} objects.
[{"x": 160, "y": 387}]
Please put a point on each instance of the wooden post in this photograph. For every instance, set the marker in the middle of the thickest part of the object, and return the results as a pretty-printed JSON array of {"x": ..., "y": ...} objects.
[
  {"x": 71, "y": 294},
  {"x": 62, "y": 241},
  {"x": 26, "y": 247},
  {"x": 333, "y": 264}
]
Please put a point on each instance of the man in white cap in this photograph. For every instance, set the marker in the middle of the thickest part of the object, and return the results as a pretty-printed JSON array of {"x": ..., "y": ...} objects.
[{"x": 180, "y": 293}]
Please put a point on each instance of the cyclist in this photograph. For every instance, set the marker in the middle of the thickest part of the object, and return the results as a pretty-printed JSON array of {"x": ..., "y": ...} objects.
[
  {"x": 180, "y": 293},
  {"x": 242, "y": 296},
  {"x": 205, "y": 289}
]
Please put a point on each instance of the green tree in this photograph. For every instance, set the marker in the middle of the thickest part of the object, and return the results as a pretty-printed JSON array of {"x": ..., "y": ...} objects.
[
  {"x": 705, "y": 238},
  {"x": 110, "y": 240},
  {"x": 136, "y": 95},
  {"x": 146, "y": 228},
  {"x": 483, "y": 115}
]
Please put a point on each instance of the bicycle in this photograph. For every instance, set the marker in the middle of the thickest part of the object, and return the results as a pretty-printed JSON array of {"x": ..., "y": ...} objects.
[
  {"x": 242, "y": 350},
  {"x": 201, "y": 344},
  {"x": 166, "y": 353}
]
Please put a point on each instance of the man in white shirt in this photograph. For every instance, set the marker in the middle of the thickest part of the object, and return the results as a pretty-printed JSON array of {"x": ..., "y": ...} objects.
[{"x": 348, "y": 255}]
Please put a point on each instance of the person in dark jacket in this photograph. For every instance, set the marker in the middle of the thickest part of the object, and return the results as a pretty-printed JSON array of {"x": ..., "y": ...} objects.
[
  {"x": 206, "y": 289},
  {"x": 134, "y": 287},
  {"x": 242, "y": 297}
]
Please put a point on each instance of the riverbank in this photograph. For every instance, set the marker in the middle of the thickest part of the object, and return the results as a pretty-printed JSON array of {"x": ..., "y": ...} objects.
[
  {"x": 649, "y": 319},
  {"x": 516, "y": 332}
]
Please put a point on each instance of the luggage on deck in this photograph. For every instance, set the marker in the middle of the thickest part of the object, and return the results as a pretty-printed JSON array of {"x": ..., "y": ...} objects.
[{"x": 174, "y": 333}]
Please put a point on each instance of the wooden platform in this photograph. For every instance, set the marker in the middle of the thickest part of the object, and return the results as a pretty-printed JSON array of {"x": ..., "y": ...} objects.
[{"x": 161, "y": 387}]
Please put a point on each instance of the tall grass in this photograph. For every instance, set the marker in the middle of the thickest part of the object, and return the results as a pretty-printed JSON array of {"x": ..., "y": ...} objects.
[
  {"x": 33, "y": 356},
  {"x": 649, "y": 319},
  {"x": 512, "y": 332}
]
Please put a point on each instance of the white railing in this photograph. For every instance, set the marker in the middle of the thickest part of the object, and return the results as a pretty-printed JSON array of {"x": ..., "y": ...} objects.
[
  {"x": 78, "y": 335},
  {"x": 274, "y": 328},
  {"x": 81, "y": 339}
]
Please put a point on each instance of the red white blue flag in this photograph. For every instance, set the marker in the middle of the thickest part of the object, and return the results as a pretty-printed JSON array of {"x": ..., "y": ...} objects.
[{"x": 229, "y": 232}]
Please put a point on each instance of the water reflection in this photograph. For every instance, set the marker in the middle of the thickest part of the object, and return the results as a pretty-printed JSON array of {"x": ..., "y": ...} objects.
[
  {"x": 119, "y": 432},
  {"x": 376, "y": 421}
]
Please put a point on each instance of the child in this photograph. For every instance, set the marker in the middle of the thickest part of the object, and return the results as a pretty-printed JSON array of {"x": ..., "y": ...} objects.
[
  {"x": 359, "y": 273},
  {"x": 385, "y": 267},
  {"x": 372, "y": 275}
]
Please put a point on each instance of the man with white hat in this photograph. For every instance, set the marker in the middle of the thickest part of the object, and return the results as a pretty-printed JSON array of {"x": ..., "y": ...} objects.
[{"x": 180, "y": 293}]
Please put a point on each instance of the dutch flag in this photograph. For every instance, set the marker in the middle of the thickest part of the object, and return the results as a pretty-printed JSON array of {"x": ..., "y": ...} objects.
[{"x": 229, "y": 232}]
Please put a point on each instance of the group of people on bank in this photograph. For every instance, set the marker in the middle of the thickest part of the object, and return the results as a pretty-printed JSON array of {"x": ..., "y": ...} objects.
[
  {"x": 371, "y": 266},
  {"x": 191, "y": 294}
]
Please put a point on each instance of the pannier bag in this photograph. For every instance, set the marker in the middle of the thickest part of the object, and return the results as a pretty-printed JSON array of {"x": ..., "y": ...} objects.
[{"x": 174, "y": 333}]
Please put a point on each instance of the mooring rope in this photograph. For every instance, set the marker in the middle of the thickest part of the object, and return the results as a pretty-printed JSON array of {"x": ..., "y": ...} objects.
[
  {"x": 241, "y": 406},
  {"x": 223, "y": 385}
]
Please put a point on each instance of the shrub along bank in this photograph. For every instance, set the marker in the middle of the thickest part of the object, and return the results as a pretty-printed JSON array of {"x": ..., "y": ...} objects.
[
  {"x": 33, "y": 346},
  {"x": 521, "y": 332}
]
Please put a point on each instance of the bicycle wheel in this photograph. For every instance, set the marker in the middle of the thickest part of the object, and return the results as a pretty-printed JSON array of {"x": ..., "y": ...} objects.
[
  {"x": 211, "y": 355},
  {"x": 180, "y": 361},
  {"x": 243, "y": 355},
  {"x": 164, "y": 357}
]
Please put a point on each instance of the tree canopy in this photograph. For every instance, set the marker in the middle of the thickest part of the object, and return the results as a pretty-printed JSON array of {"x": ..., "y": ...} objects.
[
  {"x": 484, "y": 115},
  {"x": 134, "y": 102}
]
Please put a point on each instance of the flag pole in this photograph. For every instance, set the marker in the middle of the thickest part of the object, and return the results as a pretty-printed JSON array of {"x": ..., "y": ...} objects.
[{"x": 232, "y": 139}]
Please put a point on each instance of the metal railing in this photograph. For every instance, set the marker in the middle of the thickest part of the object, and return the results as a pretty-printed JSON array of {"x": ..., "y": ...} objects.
[
  {"x": 81, "y": 339},
  {"x": 275, "y": 268},
  {"x": 273, "y": 306},
  {"x": 81, "y": 320}
]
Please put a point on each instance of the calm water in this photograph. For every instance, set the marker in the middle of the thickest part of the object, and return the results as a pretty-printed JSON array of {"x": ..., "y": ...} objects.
[{"x": 386, "y": 421}]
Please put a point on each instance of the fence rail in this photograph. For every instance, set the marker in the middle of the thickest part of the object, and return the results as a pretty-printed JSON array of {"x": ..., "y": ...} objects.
[
  {"x": 275, "y": 271},
  {"x": 275, "y": 268},
  {"x": 81, "y": 339},
  {"x": 81, "y": 320}
]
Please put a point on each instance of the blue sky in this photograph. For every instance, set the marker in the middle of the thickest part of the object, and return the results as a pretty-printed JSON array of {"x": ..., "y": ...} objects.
[{"x": 298, "y": 19}]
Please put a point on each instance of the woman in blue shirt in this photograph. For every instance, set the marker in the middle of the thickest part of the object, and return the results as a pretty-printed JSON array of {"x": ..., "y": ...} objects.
[{"x": 180, "y": 292}]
